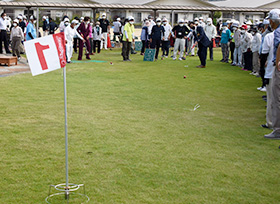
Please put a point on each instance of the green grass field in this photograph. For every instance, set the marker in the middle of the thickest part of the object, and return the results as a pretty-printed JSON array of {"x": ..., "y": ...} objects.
[{"x": 134, "y": 136}]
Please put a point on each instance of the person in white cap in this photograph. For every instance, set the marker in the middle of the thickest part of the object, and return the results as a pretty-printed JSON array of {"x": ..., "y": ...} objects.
[
  {"x": 62, "y": 23},
  {"x": 45, "y": 26},
  {"x": 97, "y": 37},
  {"x": 128, "y": 38},
  {"x": 16, "y": 37},
  {"x": 201, "y": 22},
  {"x": 69, "y": 33},
  {"x": 211, "y": 33},
  {"x": 157, "y": 35},
  {"x": 274, "y": 18},
  {"x": 166, "y": 39},
  {"x": 105, "y": 25},
  {"x": 237, "y": 55},
  {"x": 117, "y": 29},
  {"x": 152, "y": 23},
  {"x": 179, "y": 33},
  {"x": 21, "y": 24},
  {"x": 256, "y": 44},
  {"x": 249, "y": 23},
  {"x": 3, "y": 34}
]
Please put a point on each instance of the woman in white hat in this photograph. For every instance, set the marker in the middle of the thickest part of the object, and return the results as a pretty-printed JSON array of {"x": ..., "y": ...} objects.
[{"x": 16, "y": 37}]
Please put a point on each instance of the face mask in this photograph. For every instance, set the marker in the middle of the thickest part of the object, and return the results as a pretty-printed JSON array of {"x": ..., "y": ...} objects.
[
  {"x": 159, "y": 23},
  {"x": 103, "y": 17},
  {"x": 66, "y": 23},
  {"x": 234, "y": 29},
  {"x": 181, "y": 24},
  {"x": 15, "y": 24},
  {"x": 97, "y": 26},
  {"x": 248, "y": 27},
  {"x": 209, "y": 23},
  {"x": 131, "y": 22},
  {"x": 34, "y": 22},
  {"x": 164, "y": 23},
  {"x": 200, "y": 21},
  {"x": 91, "y": 24},
  {"x": 242, "y": 31}
]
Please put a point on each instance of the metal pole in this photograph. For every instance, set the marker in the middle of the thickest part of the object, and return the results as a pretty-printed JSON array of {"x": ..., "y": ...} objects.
[
  {"x": 37, "y": 25},
  {"x": 66, "y": 134}
]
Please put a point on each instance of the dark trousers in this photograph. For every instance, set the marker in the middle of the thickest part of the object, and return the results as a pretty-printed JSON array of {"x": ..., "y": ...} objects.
[
  {"x": 156, "y": 44},
  {"x": 231, "y": 47},
  {"x": 81, "y": 47},
  {"x": 126, "y": 49},
  {"x": 165, "y": 48},
  {"x": 202, "y": 54},
  {"x": 4, "y": 38},
  {"x": 262, "y": 68},
  {"x": 144, "y": 45},
  {"x": 96, "y": 43},
  {"x": 75, "y": 44},
  {"x": 211, "y": 49},
  {"x": 91, "y": 45},
  {"x": 248, "y": 60}
]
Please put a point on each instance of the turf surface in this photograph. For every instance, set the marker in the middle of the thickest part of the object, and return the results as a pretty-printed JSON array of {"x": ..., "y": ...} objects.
[{"x": 134, "y": 136}]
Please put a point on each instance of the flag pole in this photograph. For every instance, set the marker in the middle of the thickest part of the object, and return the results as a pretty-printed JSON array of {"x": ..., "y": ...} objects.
[{"x": 66, "y": 135}]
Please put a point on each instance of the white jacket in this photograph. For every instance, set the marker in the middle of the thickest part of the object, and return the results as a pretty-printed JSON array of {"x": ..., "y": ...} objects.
[
  {"x": 69, "y": 34},
  {"x": 246, "y": 42},
  {"x": 256, "y": 42},
  {"x": 210, "y": 31}
]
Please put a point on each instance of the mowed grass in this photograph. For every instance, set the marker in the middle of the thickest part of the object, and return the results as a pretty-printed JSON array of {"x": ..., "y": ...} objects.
[{"x": 134, "y": 136}]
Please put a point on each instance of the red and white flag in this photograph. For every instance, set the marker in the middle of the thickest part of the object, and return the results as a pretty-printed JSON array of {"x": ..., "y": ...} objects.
[{"x": 46, "y": 54}]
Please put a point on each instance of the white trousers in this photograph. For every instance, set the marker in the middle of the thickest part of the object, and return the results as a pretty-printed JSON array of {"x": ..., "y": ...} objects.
[
  {"x": 179, "y": 44},
  {"x": 237, "y": 55},
  {"x": 104, "y": 41},
  {"x": 69, "y": 50}
]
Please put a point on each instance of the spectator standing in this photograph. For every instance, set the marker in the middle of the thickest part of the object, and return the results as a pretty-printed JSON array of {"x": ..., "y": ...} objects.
[
  {"x": 256, "y": 44},
  {"x": 145, "y": 37},
  {"x": 52, "y": 26},
  {"x": 76, "y": 38},
  {"x": 180, "y": 32},
  {"x": 201, "y": 22},
  {"x": 31, "y": 29},
  {"x": 225, "y": 38},
  {"x": 105, "y": 25},
  {"x": 237, "y": 56},
  {"x": 157, "y": 35},
  {"x": 16, "y": 37},
  {"x": 97, "y": 37},
  {"x": 3, "y": 34},
  {"x": 246, "y": 39},
  {"x": 22, "y": 24},
  {"x": 45, "y": 26},
  {"x": 128, "y": 37},
  {"x": 210, "y": 31},
  {"x": 117, "y": 29},
  {"x": 166, "y": 39},
  {"x": 274, "y": 19}
]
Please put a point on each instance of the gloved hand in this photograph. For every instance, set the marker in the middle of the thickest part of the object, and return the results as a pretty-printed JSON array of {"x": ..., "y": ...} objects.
[{"x": 266, "y": 81}]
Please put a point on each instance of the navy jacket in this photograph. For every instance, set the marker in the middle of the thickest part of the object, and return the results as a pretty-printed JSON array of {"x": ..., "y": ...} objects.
[
  {"x": 157, "y": 32},
  {"x": 200, "y": 36}
]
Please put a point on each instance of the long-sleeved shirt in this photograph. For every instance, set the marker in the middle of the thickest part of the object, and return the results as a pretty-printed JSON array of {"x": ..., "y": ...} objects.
[
  {"x": 144, "y": 33},
  {"x": 3, "y": 25},
  {"x": 256, "y": 42},
  {"x": 226, "y": 36},
  {"x": 157, "y": 32},
  {"x": 17, "y": 33},
  {"x": 180, "y": 32},
  {"x": 128, "y": 32},
  {"x": 210, "y": 31},
  {"x": 53, "y": 27},
  {"x": 32, "y": 30},
  {"x": 237, "y": 38},
  {"x": 117, "y": 27},
  {"x": 167, "y": 31},
  {"x": 69, "y": 34},
  {"x": 246, "y": 40}
]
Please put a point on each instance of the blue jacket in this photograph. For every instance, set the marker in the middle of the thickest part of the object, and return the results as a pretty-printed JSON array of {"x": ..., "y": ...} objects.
[
  {"x": 144, "y": 33},
  {"x": 226, "y": 36},
  {"x": 30, "y": 29},
  {"x": 200, "y": 37}
]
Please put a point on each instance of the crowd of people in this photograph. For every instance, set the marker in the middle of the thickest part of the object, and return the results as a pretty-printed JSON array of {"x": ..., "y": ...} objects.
[{"x": 251, "y": 46}]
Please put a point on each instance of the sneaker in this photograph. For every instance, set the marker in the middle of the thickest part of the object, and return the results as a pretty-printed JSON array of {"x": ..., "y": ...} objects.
[
  {"x": 18, "y": 58},
  {"x": 174, "y": 58},
  {"x": 252, "y": 73},
  {"x": 265, "y": 126},
  {"x": 166, "y": 56},
  {"x": 274, "y": 136},
  {"x": 259, "y": 88},
  {"x": 222, "y": 60},
  {"x": 183, "y": 58},
  {"x": 233, "y": 64},
  {"x": 180, "y": 58},
  {"x": 263, "y": 89}
]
